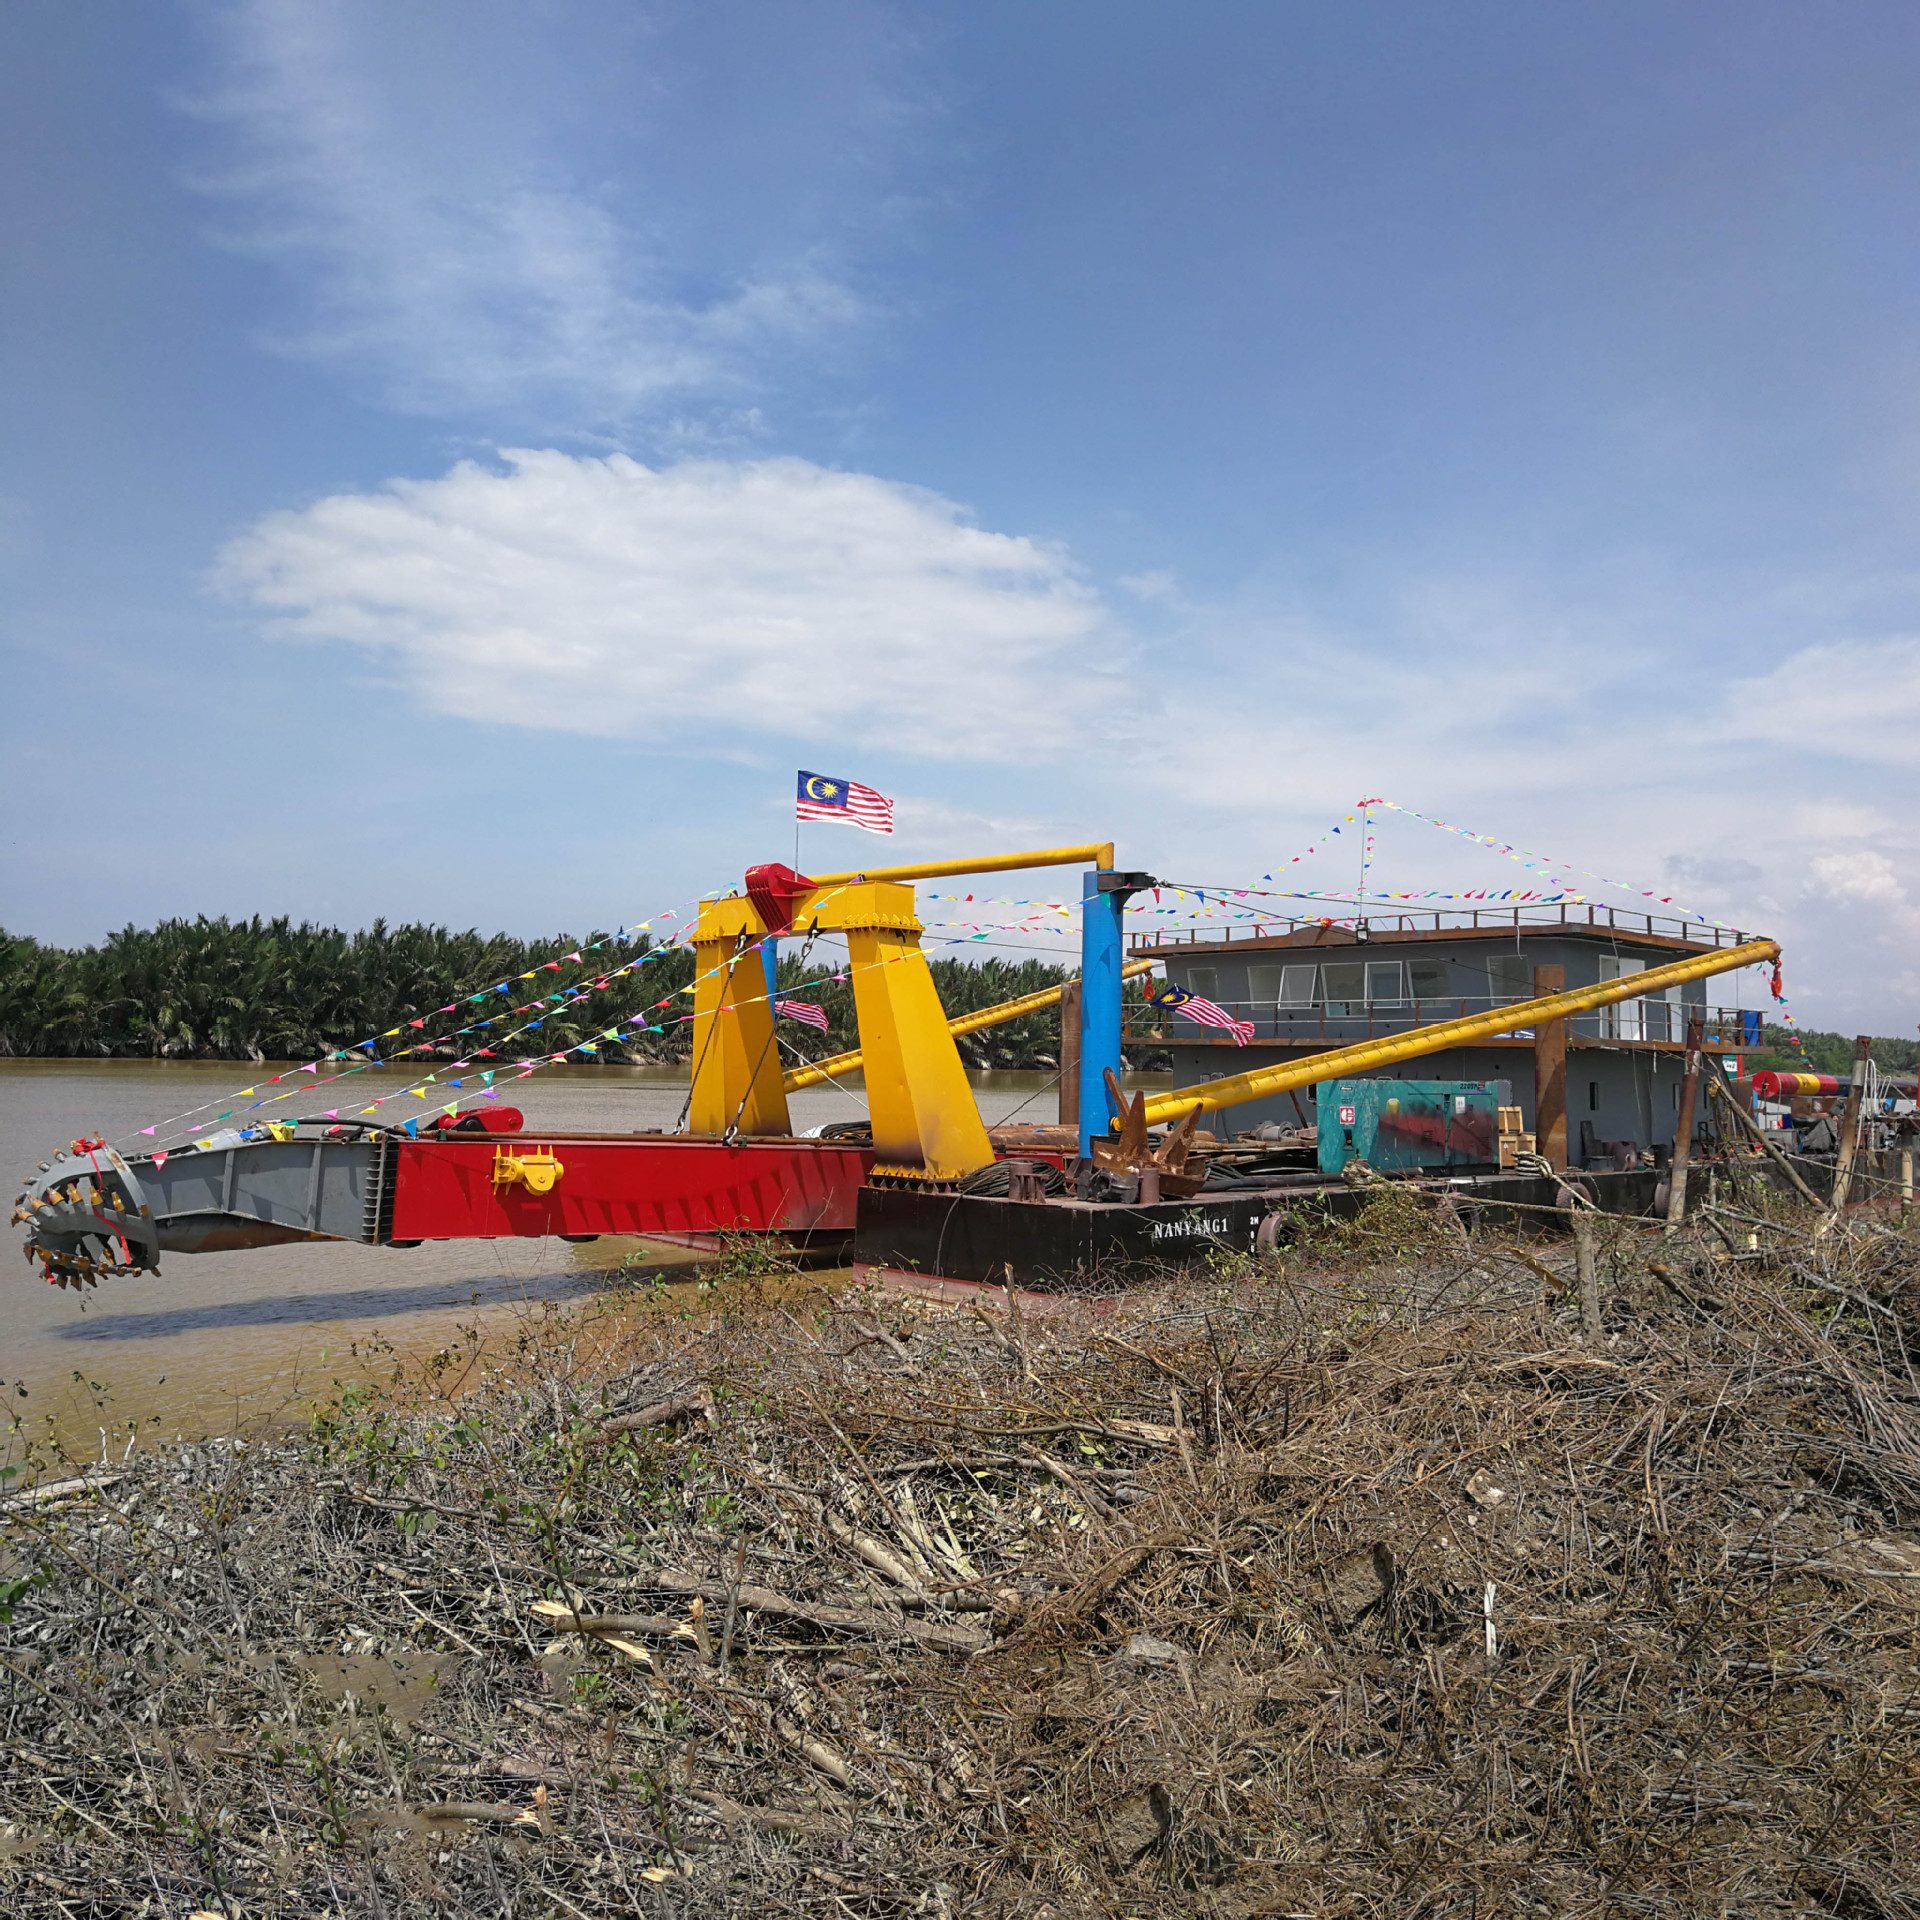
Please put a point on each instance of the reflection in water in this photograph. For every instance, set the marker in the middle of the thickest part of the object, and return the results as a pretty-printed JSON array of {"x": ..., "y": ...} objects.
[{"x": 374, "y": 1304}]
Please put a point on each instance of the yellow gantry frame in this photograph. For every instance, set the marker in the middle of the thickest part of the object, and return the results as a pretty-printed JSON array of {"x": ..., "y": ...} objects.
[
  {"x": 926, "y": 1125},
  {"x": 1359, "y": 1058}
]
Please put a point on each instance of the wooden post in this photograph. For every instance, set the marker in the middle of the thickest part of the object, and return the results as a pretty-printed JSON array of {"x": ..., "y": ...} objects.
[
  {"x": 1588, "y": 1275},
  {"x": 1683, "y": 1130},
  {"x": 1550, "y": 1074},
  {"x": 1070, "y": 1054},
  {"x": 1850, "y": 1126},
  {"x": 1906, "y": 1181}
]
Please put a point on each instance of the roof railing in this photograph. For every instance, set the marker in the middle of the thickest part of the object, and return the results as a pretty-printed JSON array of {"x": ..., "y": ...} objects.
[
  {"x": 1540, "y": 917},
  {"x": 1657, "y": 1020}
]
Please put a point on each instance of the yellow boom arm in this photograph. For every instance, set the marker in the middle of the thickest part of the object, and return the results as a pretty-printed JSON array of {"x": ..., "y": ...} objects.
[
  {"x": 1367, "y": 1054},
  {"x": 1098, "y": 854},
  {"x": 993, "y": 1016}
]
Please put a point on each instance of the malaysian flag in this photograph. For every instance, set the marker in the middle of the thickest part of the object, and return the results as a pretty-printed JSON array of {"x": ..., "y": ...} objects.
[
  {"x": 823, "y": 797},
  {"x": 1195, "y": 1008},
  {"x": 802, "y": 1010}
]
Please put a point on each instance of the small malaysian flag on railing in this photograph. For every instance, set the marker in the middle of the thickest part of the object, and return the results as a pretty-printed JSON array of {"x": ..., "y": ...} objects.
[
  {"x": 802, "y": 1010},
  {"x": 824, "y": 796},
  {"x": 1179, "y": 1000}
]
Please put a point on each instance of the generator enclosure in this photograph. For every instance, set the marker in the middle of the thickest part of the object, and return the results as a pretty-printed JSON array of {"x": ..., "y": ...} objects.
[{"x": 1401, "y": 1126}]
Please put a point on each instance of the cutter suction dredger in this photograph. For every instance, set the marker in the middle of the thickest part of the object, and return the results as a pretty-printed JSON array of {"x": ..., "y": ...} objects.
[{"x": 738, "y": 1167}]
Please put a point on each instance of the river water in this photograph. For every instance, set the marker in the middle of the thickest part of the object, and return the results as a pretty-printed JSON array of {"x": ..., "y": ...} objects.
[{"x": 233, "y": 1342}]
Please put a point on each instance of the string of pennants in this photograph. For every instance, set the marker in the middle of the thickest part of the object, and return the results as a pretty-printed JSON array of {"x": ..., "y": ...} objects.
[
  {"x": 517, "y": 1070},
  {"x": 1533, "y": 861},
  {"x": 547, "y": 1005},
  {"x": 574, "y": 955}
]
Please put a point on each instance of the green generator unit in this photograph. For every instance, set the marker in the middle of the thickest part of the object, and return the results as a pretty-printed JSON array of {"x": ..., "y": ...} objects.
[{"x": 1405, "y": 1126}]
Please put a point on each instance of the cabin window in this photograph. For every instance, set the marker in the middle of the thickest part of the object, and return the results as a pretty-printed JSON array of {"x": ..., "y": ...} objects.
[
  {"x": 1296, "y": 986},
  {"x": 1429, "y": 979},
  {"x": 1264, "y": 984},
  {"x": 1345, "y": 983},
  {"x": 1204, "y": 981},
  {"x": 1593, "y": 1096},
  {"x": 1625, "y": 1019},
  {"x": 1386, "y": 983},
  {"x": 1510, "y": 976}
]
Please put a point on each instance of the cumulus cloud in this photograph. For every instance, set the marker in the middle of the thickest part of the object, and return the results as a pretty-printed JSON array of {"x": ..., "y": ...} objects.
[
  {"x": 602, "y": 596},
  {"x": 1864, "y": 876}
]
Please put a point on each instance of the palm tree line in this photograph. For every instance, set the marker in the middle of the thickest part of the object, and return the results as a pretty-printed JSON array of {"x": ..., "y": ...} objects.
[{"x": 220, "y": 989}]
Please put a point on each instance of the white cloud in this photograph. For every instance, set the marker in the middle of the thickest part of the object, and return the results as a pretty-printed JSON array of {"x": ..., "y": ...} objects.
[
  {"x": 1858, "y": 700},
  {"x": 444, "y": 233},
  {"x": 776, "y": 597},
  {"x": 1863, "y": 876},
  {"x": 1836, "y": 820}
]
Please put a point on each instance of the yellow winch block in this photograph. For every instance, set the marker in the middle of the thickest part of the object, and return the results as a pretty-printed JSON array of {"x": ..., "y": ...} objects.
[{"x": 537, "y": 1172}]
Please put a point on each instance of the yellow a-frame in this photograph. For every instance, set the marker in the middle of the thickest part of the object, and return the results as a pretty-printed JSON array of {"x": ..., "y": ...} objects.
[{"x": 926, "y": 1125}]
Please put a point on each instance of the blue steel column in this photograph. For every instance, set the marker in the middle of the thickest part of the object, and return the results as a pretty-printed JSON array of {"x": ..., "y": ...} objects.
[
  {"x": 770, "y": 955},
  {"x": 1100, "y": 962}
]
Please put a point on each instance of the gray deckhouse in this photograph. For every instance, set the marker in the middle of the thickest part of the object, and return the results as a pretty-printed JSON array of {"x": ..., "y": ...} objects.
[{"x": 1320, "y": 986}]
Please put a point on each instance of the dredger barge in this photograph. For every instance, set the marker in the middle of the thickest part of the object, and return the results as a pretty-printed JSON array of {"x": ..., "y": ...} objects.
[{"x": 925, "y": 1186}]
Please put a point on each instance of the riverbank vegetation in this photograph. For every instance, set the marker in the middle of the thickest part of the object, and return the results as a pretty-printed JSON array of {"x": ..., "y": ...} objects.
[
  {"x": 1390, "y": 1579},
  {"x": 268, "y": 989},
  {"x": 1820, "y": 1052}
]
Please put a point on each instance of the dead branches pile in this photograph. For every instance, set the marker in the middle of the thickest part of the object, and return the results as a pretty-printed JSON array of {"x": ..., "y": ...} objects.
[{"x": 1384, "y": 1588}]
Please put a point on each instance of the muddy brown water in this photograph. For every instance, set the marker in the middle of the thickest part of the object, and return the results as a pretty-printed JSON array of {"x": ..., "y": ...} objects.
[{"x": 238, "y": 1342}]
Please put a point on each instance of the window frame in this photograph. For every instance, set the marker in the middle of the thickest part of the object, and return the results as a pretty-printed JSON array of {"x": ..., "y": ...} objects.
[
  {"x": 1400, "y": 997},
  {"x": 1511, "y": 967},
  {"x": 1287, "y": 1003},
  {"x": 1338, "y": 1003}
]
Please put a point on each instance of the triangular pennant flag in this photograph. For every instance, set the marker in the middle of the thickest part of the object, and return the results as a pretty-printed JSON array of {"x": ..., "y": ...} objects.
[
  {"x": 159, "y": 1159},
  {"x": 413, "y": 1129}
]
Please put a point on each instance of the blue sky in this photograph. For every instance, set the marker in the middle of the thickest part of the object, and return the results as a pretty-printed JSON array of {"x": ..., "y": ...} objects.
[{"x": 461, "y": 458}]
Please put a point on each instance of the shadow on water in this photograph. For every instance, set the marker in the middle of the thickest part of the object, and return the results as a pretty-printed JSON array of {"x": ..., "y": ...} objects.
[{"x": 377, "y": 1303}]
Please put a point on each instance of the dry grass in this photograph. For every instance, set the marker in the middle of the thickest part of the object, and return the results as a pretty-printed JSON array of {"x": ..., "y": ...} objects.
[{"x": 1355, "y": 1586}]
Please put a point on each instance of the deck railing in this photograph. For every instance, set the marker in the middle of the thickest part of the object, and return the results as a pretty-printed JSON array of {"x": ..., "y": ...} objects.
[
  {"x": 1660, "y": 1021},
  {"x": 1581, "y": 917}
]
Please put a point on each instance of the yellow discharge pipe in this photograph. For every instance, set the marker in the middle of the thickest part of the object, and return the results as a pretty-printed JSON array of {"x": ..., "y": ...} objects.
[
  {"x": 1366, "y": 1054},
  {"x": 1100, "y": 855},
  {"x": 966, "y": 1023}
]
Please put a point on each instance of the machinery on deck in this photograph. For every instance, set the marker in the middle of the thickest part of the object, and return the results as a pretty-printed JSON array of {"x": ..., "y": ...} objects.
[
  {"x": 739, "y": 1167},
  {"x": 1403, "y": 1125}
]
